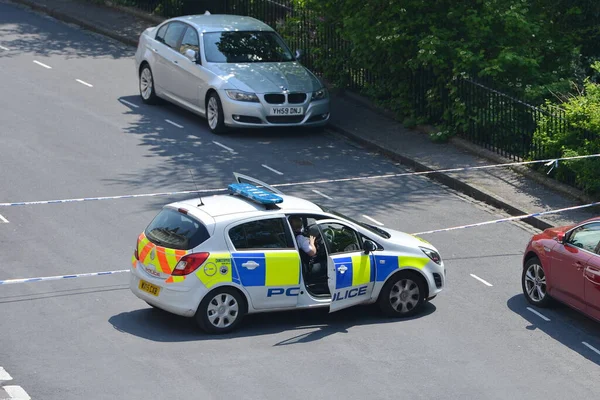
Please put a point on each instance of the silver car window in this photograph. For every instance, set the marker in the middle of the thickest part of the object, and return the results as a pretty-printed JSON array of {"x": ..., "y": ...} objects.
[
  {"x": 245, "y": 47},
  {"x": 174, "y": 32},
  {"x": 190, "y": 41}
]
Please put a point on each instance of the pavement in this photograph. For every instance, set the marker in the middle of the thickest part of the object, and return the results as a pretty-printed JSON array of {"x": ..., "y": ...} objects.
[
  {"x": 518, "y": 190},
  {"x": 74, "y": 126}
]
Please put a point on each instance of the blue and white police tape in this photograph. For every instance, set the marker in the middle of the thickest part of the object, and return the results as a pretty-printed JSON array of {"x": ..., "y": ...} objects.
[
  {"x": 518, "y": 217},
  {"x": 549, "y": 162},
  {"x": 59, "y": 277}
]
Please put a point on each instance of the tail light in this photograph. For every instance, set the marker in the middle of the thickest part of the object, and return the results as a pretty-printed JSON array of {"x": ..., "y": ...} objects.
[
  {"x": 135, "y": 252},
  {"x": 189, "y": 263}
]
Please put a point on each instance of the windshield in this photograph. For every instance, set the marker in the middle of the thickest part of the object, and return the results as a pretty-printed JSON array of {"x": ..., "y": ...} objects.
[
  {"x": 374, "y": 229},
  {"x": 245, "y": 47}
]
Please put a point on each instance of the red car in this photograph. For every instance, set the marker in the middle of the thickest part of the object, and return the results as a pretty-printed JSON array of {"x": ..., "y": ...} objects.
[{"x": 563, "y": 263}]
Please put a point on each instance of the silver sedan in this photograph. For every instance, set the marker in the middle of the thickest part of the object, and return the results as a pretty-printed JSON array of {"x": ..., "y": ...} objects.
[{"x": 234, "y": 71}]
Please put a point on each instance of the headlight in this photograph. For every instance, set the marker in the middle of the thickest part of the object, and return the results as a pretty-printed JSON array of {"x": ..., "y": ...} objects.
[
  {"x": 242, "y": 96},
  {"x": 319, "y": 94},
  {"x": 435, "y": 257}
]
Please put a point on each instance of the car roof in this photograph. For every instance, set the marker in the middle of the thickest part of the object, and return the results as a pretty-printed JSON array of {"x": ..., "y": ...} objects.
[
  {"x": 224, "y": 22},
  {"x": 226, "y": 205}
]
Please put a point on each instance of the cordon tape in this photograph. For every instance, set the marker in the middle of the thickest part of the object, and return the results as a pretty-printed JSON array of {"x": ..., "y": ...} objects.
[
  {"x": 496, "y": 221},
  {"x": 549, "y": 162}
]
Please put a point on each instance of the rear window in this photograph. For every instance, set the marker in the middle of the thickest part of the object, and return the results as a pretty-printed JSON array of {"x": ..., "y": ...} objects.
[{"x": 175, "y": 230}]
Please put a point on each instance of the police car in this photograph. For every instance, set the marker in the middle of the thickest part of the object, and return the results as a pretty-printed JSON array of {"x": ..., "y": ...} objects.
[{"x": 221, "y": 257}]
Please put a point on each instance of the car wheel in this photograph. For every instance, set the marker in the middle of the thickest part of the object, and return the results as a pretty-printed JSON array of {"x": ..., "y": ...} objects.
[
  {"x": 533, "y": 282},
  {"x": 147, "y": 86},
  {"x": 220, "y": 311},
  {"x": 403, "y": 295},
  {"x": 214, "y": 114}
]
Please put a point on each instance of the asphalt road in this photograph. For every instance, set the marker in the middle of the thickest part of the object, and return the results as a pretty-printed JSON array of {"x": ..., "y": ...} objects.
[{"x": 90, "y": 338}]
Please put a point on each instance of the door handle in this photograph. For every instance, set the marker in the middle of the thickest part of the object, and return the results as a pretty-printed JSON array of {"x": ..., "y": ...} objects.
[
  {"x": 175, "y": 62},
  {"x": 250, "y": 265},
  {"x": 155, "y": 50},
  {"x": 342, "y": 269}
]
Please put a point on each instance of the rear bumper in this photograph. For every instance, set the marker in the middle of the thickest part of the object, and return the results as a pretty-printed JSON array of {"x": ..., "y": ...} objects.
[{"x": 181, "y": 298}]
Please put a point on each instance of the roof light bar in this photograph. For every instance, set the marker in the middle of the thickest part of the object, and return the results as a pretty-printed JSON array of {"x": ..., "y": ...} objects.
[{"x": 254, "y": 193}]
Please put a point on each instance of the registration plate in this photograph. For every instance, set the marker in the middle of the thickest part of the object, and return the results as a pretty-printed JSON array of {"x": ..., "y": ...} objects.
[
  {"x": 287, "y": 111},
  {"x": 149, "y": 288}
]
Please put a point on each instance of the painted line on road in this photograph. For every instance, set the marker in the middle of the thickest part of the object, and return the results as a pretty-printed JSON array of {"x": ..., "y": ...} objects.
[
  {"x": 372, "y": 220},
  {"x": 4, "y": 220},
  {"x": 539, "y": 314},
  {"x": 4, "y": 48},
  {"x": 16, "y": 392},
  {"x": 589, "y": 346},
  {"x": 272, "y": 169},
  {"x": 322, "y": 194},
  {"x": 481, "y": 280},
  {"x": 4, "y": 376},
  {"x": 129, "y": 103},
  {"x": 58, "y": 277},
  {"x": 173, "y": 123},
  {"x": 42, "y": 64},
  {"x": 84, "y": 83},
  {"x": 225, "y": 147}
]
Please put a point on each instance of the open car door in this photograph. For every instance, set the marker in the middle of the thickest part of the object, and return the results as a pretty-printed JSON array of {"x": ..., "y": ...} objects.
[
  {"x": 350, "y": 269},
  {"x": 241, "y": 178}
]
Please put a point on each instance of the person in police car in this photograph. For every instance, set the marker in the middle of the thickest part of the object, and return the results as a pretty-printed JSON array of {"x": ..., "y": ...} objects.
[{"x": 307, "y": 244}]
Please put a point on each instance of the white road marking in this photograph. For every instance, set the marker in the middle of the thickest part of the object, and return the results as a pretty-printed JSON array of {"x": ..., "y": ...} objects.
[
  {"x": 225, "y": 147},
  {"x": 4, "y": 376},
  {"x": 42, "y": 64},
  {"x": 6, "y": 222},
  {"x": 271, "y": 169},
  {"x": 16, "y": 392},
  {"x": 4, "y": 48},
  {"x": 129, "y": 104},
  {"x": 589, "y": 346},
  {"x": 322, "y": 194},
  {"x": 481, "y": 280},
  {"x": 173, "y": 123},
  {"x": 542, "y": 316},
  {"x": 372, "y": 220},
  {"x": 84, "y": 83}
]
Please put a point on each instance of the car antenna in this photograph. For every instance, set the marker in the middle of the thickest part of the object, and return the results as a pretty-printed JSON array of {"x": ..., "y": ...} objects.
[{"x": 195, "y": 184}]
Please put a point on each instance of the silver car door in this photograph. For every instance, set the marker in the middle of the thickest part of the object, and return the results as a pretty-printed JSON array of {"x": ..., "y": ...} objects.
[
  {"x": 190, "y": 78},
  {"x": 168, "y": 53}
]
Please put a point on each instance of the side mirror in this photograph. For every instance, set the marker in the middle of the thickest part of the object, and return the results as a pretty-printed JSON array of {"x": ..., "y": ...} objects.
[
  {"x": 560, "y": 237},
  {"x": 369, "y": 246},
  {"x": 299, "y": 54},
  {"x": 192, "y": 56}
]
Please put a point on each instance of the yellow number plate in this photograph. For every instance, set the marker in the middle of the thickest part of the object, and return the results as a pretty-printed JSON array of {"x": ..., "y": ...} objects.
[{"x": 149, "y": 288}]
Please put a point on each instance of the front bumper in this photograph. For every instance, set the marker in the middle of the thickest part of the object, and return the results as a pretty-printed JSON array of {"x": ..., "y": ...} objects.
[
  {"x": 181, "y": 298},
  {"x": 257, "y": 115},
  {"x": 436, "y": 278}
]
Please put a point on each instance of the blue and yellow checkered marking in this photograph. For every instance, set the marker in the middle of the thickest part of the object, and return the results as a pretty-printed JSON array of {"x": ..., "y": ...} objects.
[
  {"x": 359, "y": 271},
  {"x": 387, "y": 265},
  {"x": 275, "y": 268}
]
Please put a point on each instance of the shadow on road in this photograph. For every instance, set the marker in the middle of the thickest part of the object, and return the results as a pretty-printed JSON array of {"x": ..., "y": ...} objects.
[
  {"x": 578, "y": 328},
  {"x": 31, "y": 33},
  {"x": 160, "y": 326}
]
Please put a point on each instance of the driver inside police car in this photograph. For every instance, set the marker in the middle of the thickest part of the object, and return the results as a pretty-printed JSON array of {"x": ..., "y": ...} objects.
[{"x": 307, "y": 244}]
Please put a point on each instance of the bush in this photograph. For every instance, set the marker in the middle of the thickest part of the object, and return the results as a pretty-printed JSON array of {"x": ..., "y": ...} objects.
[{"x": 578, "y": 135}]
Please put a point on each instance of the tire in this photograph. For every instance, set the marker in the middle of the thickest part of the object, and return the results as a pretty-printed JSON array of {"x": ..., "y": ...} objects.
[
  {"x": 533, "y": 283},
  {"x": 146, "y": 85},
  {"x": 212, "y": 303},
  {"x": 411, "y": 283},
  {"x": 214, "y": 114}
]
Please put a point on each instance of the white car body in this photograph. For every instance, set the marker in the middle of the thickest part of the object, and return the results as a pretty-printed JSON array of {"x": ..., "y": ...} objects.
[
  {"x": 251, "y": 94},
  {"x": 220, "y": 214}
]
